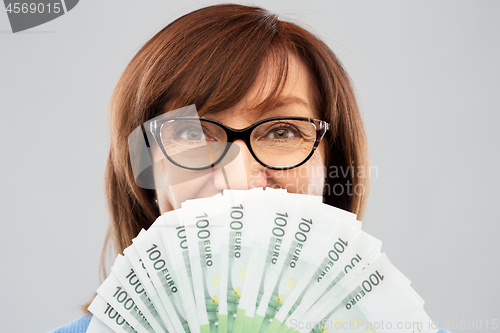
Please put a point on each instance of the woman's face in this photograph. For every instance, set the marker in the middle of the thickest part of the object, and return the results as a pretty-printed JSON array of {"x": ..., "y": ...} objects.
[{"x": 245, "y": 172}]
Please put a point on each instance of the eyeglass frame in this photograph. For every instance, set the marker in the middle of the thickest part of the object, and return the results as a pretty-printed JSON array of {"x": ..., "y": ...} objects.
[{"x": 243, "y": 134}]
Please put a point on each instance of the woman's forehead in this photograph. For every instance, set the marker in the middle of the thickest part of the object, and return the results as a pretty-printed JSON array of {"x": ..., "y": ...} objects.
[
  {"x": 273, "y": 96},
  {"x": 284, "y": 106}
]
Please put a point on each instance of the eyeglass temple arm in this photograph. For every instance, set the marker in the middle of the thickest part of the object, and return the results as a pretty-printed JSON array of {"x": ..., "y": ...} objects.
[{"x": 323, "y": 128}]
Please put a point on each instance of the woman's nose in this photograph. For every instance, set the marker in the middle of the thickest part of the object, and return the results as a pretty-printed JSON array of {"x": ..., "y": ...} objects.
[{"x": 243, "y": 172}]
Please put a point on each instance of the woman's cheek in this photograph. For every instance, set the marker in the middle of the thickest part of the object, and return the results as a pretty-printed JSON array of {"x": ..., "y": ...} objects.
[
  {"x": 171, "y": 197},
  {"x": 316, "y": 174},
  {"x": 306, "y": 179}
]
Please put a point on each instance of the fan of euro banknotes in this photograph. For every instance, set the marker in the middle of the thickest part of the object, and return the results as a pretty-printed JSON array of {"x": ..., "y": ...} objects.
[{"x": 256, "y": 261}]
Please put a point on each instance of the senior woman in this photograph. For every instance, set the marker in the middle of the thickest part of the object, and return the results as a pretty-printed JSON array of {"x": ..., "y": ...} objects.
[{"x": 271, "y": 88}]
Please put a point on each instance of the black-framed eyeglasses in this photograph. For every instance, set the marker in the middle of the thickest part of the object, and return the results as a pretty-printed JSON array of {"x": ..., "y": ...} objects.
[{"x": 278, "y": 143}]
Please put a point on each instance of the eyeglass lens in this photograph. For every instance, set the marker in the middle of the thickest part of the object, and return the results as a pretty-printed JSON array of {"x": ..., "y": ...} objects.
[{"x": 198, "y": 143}]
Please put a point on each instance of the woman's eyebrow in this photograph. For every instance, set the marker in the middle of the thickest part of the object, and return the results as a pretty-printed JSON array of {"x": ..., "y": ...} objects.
[
  {"x": 275, "y": 106},
  {"x": 287, "y": 100}
]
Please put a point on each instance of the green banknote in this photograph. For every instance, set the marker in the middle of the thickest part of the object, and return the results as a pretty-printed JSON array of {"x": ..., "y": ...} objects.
[
  {"x": 318, "y": 241},
  {"x": 139, "y": 268},
  {"x": 371, "y": 301},
  {"x": 330, "y": 277},
  {"x": 256, "y": 261},
  {"x": 109, "y": 316},
  {"x": 149, "y": 246},
  {"x": 114, "y": 294},
  {"x": 277, "y": 212},
  {"x": 204, "y": 221},
  {"x": 133, "y": 286},
  {"x": 241, "y": 233},
  {"x": 175, "y": 240}
]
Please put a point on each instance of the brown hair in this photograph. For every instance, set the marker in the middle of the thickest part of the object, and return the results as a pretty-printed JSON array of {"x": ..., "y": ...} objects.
[{"x": 211, "y": 58}]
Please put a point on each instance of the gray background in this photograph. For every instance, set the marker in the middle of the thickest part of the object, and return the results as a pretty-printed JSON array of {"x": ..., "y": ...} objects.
[{"x": 427, "y": 78}]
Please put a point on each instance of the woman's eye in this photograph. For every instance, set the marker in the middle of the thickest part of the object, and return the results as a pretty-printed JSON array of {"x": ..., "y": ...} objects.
[
  {"x": 280, "y": 133},
  {"x": 193, "y": 135}
]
